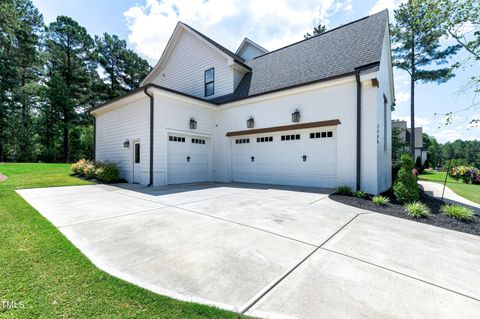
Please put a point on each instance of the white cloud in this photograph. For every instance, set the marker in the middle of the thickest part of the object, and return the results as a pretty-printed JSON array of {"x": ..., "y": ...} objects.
[
  {"x": 402, "y": 96},
  {"x": 271, "y": 23},
  {"x": 386, "y": 4}
]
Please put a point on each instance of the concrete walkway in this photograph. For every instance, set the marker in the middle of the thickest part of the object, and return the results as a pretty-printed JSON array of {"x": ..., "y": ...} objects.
[
  {"x": 268, "y": 252},
  {"x": 435, "y": 190}
]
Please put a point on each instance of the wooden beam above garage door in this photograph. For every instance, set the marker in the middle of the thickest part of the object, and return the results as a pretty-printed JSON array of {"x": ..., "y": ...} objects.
[{"x": 290, "y": 127}]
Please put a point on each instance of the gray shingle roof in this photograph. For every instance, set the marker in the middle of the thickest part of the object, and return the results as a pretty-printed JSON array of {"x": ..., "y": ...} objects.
[{"x": 336, "y": 52}]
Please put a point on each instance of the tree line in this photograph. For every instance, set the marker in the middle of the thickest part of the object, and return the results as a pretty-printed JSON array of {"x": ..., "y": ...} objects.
[{"x": 50, "y": 76}]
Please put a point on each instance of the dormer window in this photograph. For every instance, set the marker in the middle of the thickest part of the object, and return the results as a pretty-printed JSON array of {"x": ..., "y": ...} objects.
[{"x": 209, "y": 82}]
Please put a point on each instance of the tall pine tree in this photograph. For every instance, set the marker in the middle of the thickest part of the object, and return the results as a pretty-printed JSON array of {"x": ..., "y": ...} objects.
[
  {"x": 70, "y": 61},
  {"x": 416, "y": 36}
]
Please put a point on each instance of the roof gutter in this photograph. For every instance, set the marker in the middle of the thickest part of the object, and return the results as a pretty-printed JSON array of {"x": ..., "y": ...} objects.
[
  {"x": 359, "y": 128},
  {"x": 145, "y": 90}
]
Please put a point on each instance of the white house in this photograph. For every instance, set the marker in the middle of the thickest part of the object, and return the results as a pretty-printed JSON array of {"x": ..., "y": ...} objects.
[{"x": 314, "y": 113}]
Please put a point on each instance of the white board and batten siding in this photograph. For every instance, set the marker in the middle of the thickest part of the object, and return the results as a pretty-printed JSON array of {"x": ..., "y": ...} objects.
[
  {"x": 127, "y": 121},
  {"x": 185, "y": 68}
]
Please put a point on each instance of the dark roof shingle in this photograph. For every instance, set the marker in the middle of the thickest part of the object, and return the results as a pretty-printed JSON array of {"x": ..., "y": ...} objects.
[{"x": 336, "y": 52}]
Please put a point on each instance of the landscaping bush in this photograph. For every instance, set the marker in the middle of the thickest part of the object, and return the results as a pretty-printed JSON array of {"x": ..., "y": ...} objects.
[
  {"x": 467, "y": 174},
  {"x": 380, "y": 200},
  {"x": 417, "y": 210},
  {"x": 107, "y": 172},
  {"x": 405, "y": 188},
  {"x": 344, "y": 190},
  {"x": 78, "y": 167},
  {"x": 359, "y": 194},
  {"x": 457, "y": 211},
  {"x": 89, "y": 169}
]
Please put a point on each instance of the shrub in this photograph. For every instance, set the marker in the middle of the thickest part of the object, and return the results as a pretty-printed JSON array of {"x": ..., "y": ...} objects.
[
  {"x": 344, "y": 190},
  {"x": 79, "y": 166},
  {"x": 457, "y": 211},
  {"x": 417, "y": 210},
  {"x": 380, "y": 200},
  {"x": 405, "y": 187},
  {"x": 467, "y": 174},
  {"x": 89, "y": 169},
  {"x": 107, "y": 172},
  {"x": 359, "y": 194}
]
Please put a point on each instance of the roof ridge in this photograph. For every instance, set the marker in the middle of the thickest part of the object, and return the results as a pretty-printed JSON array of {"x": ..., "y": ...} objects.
[
  {"x": 229, "y": 52},
  {"x": 318, "y": 35}
]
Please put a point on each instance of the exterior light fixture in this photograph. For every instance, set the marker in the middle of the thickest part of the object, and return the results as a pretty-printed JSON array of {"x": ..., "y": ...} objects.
[
  {"x": 250, "y": 122},
  {"x": 126, "y": 144},
  {"x": 252, "y": 158},
  {"x": 193, "y": 124},
  {"x": 296, "y": 116},
  {"x": 304, "y": 158}
]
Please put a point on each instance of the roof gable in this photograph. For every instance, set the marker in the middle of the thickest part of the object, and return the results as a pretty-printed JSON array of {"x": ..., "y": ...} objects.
[
  {"x": 181, "y": 27},
  {"x": 249, "y": 49}
]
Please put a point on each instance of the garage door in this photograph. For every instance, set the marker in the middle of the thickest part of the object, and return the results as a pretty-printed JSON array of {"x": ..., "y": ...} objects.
[
  {"x": 187, "y": 159},
  {"x": 301, "y": 158}
]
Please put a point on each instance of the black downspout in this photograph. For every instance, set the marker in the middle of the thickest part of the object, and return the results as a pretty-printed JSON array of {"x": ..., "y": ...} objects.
[
  {"x": 151, "y": 134},
  {"x": 359, "y": 127},
  {"x": 94, "y": 138}
]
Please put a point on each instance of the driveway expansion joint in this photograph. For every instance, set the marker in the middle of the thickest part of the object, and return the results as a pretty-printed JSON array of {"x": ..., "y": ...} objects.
[
  {"x": 400, "y": 273},
  {"x": 112, "y": 217},
  {"x": 271, "y": 286}
]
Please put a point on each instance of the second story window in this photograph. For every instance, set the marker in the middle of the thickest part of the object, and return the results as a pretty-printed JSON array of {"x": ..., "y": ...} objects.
[{"x": 209, "y": 82}]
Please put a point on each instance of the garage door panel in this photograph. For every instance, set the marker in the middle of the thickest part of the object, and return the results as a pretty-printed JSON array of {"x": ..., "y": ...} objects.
[
  {"x": 187, "y": 159},
  {"x": 281, "y": 161}
]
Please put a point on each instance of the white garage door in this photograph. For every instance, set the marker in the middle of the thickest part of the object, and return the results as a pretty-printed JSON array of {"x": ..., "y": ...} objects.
[
  {"x": 302, "y": 158},
  {"x": 187, "y": 159}
]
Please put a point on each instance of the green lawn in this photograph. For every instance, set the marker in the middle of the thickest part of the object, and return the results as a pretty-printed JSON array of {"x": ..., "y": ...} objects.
[
  {"x": 469, "y": 191},
  {"x": 43, "y": 271}
]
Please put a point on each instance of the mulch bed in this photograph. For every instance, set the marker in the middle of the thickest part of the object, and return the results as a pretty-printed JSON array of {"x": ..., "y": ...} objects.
[
  {"x": 2, "y": 177},
  {"x": 396, "y": 209}
]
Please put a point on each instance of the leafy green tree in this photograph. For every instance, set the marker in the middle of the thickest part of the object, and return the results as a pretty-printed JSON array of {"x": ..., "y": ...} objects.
[
  {"x": 123, "y": 68},
  {"x": 319, "y": 29},
  {"x": 71, "y": 66},
  {"x": 135, "y": 69},
  {"x": 460, "y": 19},
  {"x": 398, "y": 144},
  {"x": 21, "y": 27},
  {"x": 416, "y": 35}
]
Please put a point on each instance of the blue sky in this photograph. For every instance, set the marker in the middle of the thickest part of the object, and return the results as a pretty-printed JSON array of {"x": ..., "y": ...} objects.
[{"x": 147, "y": 25}]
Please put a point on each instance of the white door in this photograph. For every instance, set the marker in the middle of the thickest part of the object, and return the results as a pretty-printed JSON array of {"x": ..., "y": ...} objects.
[
  {"x": 187, "y": 159},
  {"x": 136, "y": 162},
  {"x": 301, "y": 158}
]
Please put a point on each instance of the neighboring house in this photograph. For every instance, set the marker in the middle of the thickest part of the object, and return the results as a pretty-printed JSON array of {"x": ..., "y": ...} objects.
[
  {"x": 405, "y": 136},
  {"x": 314, "y": 113}
]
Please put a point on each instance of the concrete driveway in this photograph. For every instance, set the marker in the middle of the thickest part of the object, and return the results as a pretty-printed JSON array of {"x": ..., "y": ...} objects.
[{"x": 269, "y": 252}]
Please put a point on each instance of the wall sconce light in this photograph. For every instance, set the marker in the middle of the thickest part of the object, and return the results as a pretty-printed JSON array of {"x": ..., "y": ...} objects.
[
  {"x": 188, "y": 158},
  {"x": 193, "y": 124},
  {"x": 296, "y": 116},
  {"x": 252, "y": 158},
  {"x": 126, "y": 144},
  {"x": 250, "y": 122},
  {"x": 304, "y": 158}
]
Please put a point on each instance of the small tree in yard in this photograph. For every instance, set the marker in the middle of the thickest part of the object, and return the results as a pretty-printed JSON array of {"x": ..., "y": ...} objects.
[{"x": 405, "y": 187}]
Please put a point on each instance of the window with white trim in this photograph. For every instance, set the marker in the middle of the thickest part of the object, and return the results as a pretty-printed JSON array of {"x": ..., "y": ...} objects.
[{"x": 209, "y": 82}]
